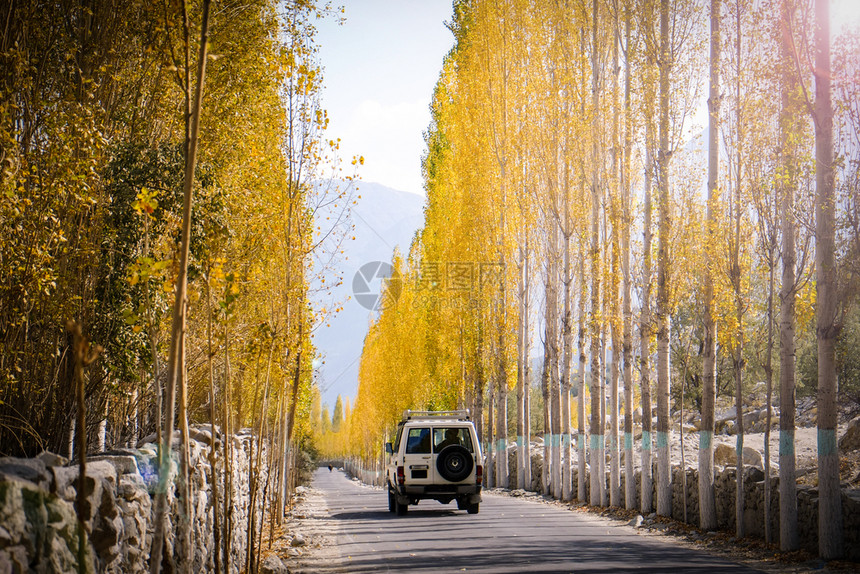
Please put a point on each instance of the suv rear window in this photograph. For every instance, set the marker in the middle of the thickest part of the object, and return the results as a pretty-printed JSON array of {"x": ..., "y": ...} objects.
[
  {"x": 445, "y": 436},
  {"x": 418, "y": 441}
]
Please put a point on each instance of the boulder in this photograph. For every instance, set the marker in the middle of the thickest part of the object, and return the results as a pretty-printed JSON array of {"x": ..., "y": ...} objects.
[
  {"x": 726, "y": 414},
  {"x": 753, "y": 474},
  {"x": 51, "y": 459},
  {"x": 122, "y": 464},
  {"x": 752, "y": 457},
  {"x": 725, "y": 455},
  {"x": 851, "y": 439},
  {"x": 29, "y": 469},
  {"x": 271, "y": 564}
]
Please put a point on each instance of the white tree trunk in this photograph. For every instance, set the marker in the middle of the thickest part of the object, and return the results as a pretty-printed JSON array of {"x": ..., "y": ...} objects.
[
  {"x": 580, "y": 399},
  {"x": 552, "y": 343},
  {"x": 788, "y": 533},
  {"x": 664, "y": 471},
  {"x": 646, "y": 498},
  {"x": 615, "y": 456},
  {"x": 627, "y": 315},
  {"x": 490, "y": 467},
  {"x": 707, "y": 504},
  {"x": 830, "y": 535},
  {"x": 596, "y": 437},
  {"x": 527, "y": 416},
  {"x": 522, "y": 359},
  {"x": 567, "y": 331}
]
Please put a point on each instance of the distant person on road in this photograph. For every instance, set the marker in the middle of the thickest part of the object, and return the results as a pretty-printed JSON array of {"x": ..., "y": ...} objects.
[
  {"x": 451, "y": 437},
  {"x": 329, "y": 468}
]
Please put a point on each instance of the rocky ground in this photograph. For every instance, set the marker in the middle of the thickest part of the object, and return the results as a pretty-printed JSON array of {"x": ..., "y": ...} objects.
[{"x": 306, "y": 539}]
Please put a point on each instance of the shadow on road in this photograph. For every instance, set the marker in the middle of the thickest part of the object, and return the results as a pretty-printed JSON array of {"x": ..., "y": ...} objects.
[{"x": 508, "y": 536}]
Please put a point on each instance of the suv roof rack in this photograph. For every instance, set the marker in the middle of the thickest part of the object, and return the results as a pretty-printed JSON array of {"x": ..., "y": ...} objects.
[{"x": 462, "y": 414}]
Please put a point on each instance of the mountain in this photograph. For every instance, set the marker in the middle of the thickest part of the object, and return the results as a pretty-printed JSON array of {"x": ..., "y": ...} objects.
[{"x": 384, "y": 218}]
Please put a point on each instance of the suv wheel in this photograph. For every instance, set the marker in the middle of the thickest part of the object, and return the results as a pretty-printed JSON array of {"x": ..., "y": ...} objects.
[
  {"x": 454, "y": 463},
  {"x": 472, "y": 508},
  {"x": 400, "y": 509}
]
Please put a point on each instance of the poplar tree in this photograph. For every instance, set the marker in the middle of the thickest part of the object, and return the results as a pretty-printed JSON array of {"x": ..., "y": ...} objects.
[
  {"x": 627, "y": 314},
  {"x": 176, "y": 374},
  {"x": 595, "y": 319},
  {"x": 707, "y": 506},
  {"x": 664, "y": 478},
  {"x": 830, "y": 534},
  {"x": 788, "y": 533}
]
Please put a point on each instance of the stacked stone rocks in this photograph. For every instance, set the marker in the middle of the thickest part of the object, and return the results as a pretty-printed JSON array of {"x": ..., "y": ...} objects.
[{"x": 38, "y": 523}]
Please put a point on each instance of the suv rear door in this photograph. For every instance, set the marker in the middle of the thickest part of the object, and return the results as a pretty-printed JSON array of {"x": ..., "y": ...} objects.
[{"x": 417, "y": 455}]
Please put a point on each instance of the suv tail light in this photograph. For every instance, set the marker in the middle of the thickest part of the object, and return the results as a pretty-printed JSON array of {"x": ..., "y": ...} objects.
[
  {"x": 401, "y": 475},
  {"x": 479, "y": 474}
]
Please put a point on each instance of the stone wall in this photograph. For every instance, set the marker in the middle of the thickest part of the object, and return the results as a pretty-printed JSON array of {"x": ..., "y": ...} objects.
[{"x": 38, "y": 523}]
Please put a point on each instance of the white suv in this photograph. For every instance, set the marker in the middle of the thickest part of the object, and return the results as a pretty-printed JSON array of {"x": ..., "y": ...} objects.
[{"x": 436, "y": 455}]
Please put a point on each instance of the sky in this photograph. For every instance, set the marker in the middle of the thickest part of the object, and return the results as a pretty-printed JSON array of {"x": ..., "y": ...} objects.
[{"x": 381, "y": 66}]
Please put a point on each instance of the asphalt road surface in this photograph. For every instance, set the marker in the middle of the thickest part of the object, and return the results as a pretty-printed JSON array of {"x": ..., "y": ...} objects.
[{"x": 509, "y": 535}]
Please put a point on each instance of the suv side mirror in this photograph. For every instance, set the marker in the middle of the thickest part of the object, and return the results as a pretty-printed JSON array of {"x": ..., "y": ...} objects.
[{"x": 388, "y": 448}]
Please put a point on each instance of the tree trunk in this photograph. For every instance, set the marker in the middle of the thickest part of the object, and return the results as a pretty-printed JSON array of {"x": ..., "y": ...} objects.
[
  {"x": 522, "y": 328},
  {"x": 227, "y": 418},
  {"x": 186, "y": 520},
  {"x": 827, "y": 303},
  {"x": 491, "y": 435},
  {"x": 735, "y": 277},
  {"x": 502, "y": 357},
  {"x": 213, "y": 459},
  {"x": 527, "y": 415},
  {"x": 604, "y": 493},
  {"x": 555, "y": 383},
  {"x": 502, "y": 423},
  {"x": 596, "y": 451},
  {"x": 612, "y": 287},
  {"x": 83, "y": 356},
  {"x": 707, "y": 504},
  {"x": 176, "y": 361},
  {"x": 788, "y": 532},
  {"x": 101, "y": 444},
  {"x": 567, "y": 335},
  {"x": 664, "y": 471},
  {"x": 737, "y": 359},
  {"x": 552, "y": 400},
  {"x": 547, "y": 420},
  {"x": 580, "y": 399},
  {"x": 646, "y": 485},
  {"x": 768, "y": 371},
  {"x": 627, "y": 315}
]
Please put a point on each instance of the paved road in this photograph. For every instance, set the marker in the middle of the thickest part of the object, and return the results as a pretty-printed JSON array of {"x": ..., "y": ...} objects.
[{"x": 509, "y": 535}]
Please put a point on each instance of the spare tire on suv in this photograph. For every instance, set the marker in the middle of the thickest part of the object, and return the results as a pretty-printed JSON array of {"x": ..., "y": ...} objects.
[{"x": 454, "y": 463}]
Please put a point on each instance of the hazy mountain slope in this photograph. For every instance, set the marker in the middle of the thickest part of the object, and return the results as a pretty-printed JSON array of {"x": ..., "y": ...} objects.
[{"x": 384, "y": 218}]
